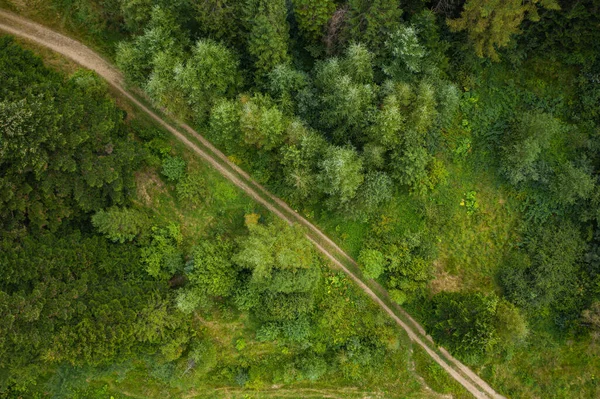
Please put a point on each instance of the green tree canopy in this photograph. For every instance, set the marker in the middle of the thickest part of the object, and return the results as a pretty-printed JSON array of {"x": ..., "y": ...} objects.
[
  {"x": 283, "y": 270},
  {"x": 491, "y": 23}
]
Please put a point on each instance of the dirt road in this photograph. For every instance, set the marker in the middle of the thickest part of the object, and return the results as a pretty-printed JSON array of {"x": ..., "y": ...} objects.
[{"x": 81, "y": 54}]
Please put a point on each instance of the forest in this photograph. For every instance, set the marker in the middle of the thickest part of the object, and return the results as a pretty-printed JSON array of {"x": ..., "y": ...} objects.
[{"x": 451, "y": 147}]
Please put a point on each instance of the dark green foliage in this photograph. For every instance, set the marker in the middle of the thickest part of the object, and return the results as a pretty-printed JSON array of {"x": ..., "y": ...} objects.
[
  {"x": 64, "y": 133},
  {"x": 312, "y": 17},
  {"x": 75, "y": 299},
  {"x": 545, "y": 276},
  {"x": 268, "y": 34},
  {"x": 162, "y": 255},
  {"x": 371, "y": 22},
  {"x": 531, "y": 137},
  {"x": 464, "y": 322},
  {"x": 220, "y": 19},
  {"x": 406, "y": 266}
]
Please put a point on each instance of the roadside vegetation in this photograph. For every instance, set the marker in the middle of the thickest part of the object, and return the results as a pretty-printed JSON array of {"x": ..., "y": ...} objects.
[{"x": 458, "y": 165}]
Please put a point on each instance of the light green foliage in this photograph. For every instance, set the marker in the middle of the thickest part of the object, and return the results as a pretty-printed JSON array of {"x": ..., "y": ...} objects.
[
  {"x": 268, "y": 34},
  {"x": 284, "y": 272},
  {"x": 491, "y": 23},
  {"x": 300, "y": 161},
  {"x": 372, "y": 262},
  {"x": 388, "y": 123},
  {"x": 511, "y": 326},
  {"x": 224, "y": 123},
  {"x": 162, "y": 35},
  {"x": 162, "y": 86},
  {"x": 188, "y": 300},
  {"x": 448, "y": 100},
  {"x": 312, "y": 17},
  {"x": 371, "y": 21},
  {"x": 424, "y": 113},
  {"x": 374, "y": 156},
  {"x": 358, "y": 64},
  {"x": 120, "y": 224},
  {"x": 262, "y": 123},
  {"x": 340, "y": 174},
  {"x": 209, "y": 74},
  {"x": 398, "y": 296},
  {"x": 204, "y": 355},
  {"x": 346, "y": 103},
  {"x": 313, "y": 367},
  {"x": 470, "y": 202},
  {"x": 410, "y": 168},
  {"x": 173, "y": 168},
  {"x": 274, "y": 251},
  {"x": 162, "y": 256},
  {"x": 133, "y": 60},
  {"x": 411, "y": 163},
  {"x": 406, "y": 53}
]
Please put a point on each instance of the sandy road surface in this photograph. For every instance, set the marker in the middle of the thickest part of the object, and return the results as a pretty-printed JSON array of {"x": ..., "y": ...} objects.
[{"x": 81, "y": 54}]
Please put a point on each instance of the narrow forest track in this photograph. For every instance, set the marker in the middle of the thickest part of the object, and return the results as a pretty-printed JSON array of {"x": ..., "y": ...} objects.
[{"x": 87, "y": 58}]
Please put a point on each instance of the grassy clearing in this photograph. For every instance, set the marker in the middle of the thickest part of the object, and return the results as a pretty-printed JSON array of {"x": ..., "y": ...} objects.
[
  {"x": 549, "y": 367},
  {"x": 474, "y": 222}
]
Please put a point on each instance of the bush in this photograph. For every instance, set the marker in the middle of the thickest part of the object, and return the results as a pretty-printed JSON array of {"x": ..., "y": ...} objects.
[
  {"x": 464, "y": 322},
  {"x": 173, "y": 168},
  {"x": 372, "y": 262}
]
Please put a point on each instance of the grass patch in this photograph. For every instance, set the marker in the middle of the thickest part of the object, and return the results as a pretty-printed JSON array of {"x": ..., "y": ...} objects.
[
  {"x": 474, "y": 221},
  {"x": 435, "y": 377}
]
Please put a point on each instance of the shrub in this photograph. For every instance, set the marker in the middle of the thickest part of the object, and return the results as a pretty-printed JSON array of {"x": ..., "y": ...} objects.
[
  {"x": 173, "y": 168},
  {"x": 372, "y": 262}
]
